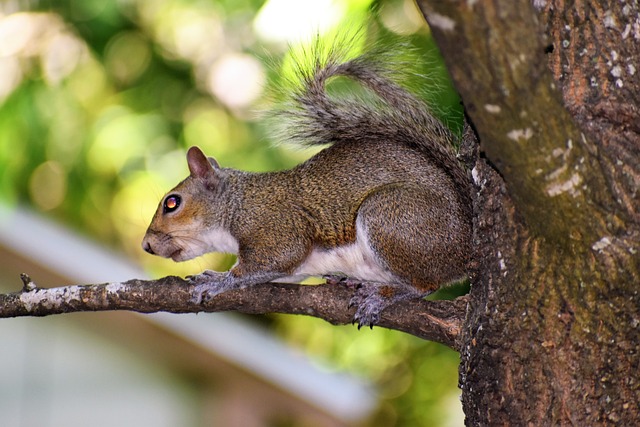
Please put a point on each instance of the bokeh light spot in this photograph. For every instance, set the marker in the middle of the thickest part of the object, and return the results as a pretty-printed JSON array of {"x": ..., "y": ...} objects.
[
  {"x": 60, "y": 56},
  {"x": 121, "y": 137},
  {"x": 402, "y": 17},
  {"x": 48, "y": 185},
  {"x": 127, "y": 56},
  {"x": 237, "y": 80},
  {"x": 287, "y": 21}
]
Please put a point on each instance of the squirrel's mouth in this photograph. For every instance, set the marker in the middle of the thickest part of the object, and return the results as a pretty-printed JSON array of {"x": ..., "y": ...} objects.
[{"x": 176, "y": 255}]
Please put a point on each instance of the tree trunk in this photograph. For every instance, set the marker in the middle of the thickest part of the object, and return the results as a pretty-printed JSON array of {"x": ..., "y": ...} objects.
[{"x": 552, "y": 335}]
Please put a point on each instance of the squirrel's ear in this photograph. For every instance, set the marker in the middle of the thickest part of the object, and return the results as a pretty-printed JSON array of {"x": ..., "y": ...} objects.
[
  {"x": 199, "y": 165},
  {"x": 214, "y": 163}
]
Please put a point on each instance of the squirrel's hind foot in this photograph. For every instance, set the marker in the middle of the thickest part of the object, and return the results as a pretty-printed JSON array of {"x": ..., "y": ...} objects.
[{"x": 370, "y": 299}]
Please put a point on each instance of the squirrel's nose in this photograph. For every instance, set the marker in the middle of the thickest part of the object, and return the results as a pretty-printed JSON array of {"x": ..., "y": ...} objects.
[{"x": 147, "y": 247}]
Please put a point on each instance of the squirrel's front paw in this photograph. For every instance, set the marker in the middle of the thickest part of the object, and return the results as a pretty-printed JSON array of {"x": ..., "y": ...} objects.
[
  {"x": 209, "y": 283},
  {"x": 205, "y": 276}
]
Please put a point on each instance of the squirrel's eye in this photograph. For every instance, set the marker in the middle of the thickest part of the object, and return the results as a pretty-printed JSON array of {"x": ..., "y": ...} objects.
[{"x": 171, "y": 203}]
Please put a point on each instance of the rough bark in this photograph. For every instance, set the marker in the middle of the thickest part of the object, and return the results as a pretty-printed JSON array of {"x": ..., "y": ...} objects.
[
  {"x": 552, "y": 335},
  {"x": 438, "y": 321}
]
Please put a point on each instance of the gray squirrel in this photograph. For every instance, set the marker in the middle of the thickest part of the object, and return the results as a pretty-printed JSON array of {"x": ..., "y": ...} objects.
[{"x": 385, "y": 208}]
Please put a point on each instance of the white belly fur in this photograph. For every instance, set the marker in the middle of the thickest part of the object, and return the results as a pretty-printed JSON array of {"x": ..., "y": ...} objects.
[{"x": 356, "y": 260}]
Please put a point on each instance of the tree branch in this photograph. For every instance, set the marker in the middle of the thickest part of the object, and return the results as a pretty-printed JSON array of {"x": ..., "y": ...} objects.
[{"x": 438, "y": 321}]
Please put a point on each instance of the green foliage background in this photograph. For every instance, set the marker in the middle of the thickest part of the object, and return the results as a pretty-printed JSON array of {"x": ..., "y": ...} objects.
[{"x": 100, "y": 99}]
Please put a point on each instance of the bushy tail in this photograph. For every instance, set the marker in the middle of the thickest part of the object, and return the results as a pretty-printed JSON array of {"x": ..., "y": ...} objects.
[{"x": 313, "y": 117}]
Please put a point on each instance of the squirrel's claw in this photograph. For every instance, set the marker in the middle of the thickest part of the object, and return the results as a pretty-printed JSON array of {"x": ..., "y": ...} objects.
[
  {"x": 370, "y": 299},
  {"x": 208, "y": 284},
  {"x": 203, "y": 293},
  {"x": 369, "y": 303},
  {"x": 364, "y": 298}
]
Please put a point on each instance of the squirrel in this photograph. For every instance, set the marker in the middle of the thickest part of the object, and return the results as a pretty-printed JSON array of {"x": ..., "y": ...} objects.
[{"x": 385, "y": 208}]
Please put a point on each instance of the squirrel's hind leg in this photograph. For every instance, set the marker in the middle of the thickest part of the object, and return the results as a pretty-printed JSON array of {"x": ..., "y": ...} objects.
[
  {"x": 402, "y": 226},
  {"x": 410, "y": 230}
]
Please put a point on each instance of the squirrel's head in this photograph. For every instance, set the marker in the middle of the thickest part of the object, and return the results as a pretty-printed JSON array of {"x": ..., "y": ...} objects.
[{"x": 187, "y": 223}]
